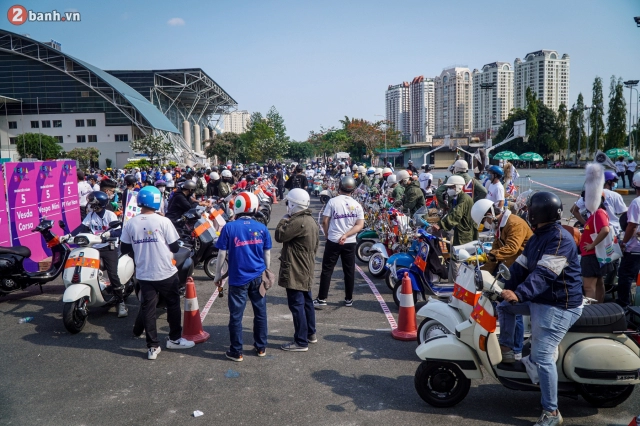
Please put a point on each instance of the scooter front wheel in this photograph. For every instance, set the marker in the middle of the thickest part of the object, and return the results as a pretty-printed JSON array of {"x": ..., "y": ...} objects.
[
  {"x": 441, "y": 384},
  {"x": 430, "y": 328},
  {"x": 363, "y": 250},
  {"x": 397, "y": 291},
  {"x": 390, "y": 280},
  {"x": 210, "y": 266},
  {"x": 377, "y": 264},
  {"x": 74, "y": 316}
]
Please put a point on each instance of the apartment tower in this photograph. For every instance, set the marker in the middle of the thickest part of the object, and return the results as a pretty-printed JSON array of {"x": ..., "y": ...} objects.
[
  {"x": 492, "y": 95},
  {"x": 548, "y": 76}
]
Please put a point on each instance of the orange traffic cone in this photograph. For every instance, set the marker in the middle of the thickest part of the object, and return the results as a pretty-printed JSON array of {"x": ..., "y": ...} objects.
[
  {"x": 407, "y": 328},
  {"x": 192, "y": 326},
  {"x": 275, "y": 199}
]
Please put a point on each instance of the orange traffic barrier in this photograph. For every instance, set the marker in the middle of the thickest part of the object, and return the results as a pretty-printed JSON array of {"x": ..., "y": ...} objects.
[
  {"x": 407, "y": 328},
  {"x": 192, "y": 325}
]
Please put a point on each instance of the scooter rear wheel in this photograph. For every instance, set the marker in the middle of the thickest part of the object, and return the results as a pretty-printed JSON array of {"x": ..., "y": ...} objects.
[
  {"x": 377, "y": 265},
  {"x": 605, "y": 396},
  {"x": 73, "y": 320},
  {"x": 441, "y": 384},
  {"x": 363, "y": 251},
  {"x": 390, "y": 280},
  {"x": 210, "y": 266}
]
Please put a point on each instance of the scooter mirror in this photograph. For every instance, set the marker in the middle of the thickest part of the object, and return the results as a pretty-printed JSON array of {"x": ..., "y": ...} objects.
[
  {"x": 114, "y": 224},
  {"x": 62, "y": 225},
  {"x": 504, "y": 272}
]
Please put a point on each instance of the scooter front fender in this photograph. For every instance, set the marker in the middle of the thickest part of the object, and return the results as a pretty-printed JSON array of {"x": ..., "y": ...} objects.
[
  {"x": 443, "y": 313},
  {"x": 75, "y": 292},
  {"x": 380, "y": 248},
  {"x": 403, "y": 260},
  {"x": 447, "y": 348},
  {"x": 367, "y": 235},
  {"x": 414, "y": 282}
]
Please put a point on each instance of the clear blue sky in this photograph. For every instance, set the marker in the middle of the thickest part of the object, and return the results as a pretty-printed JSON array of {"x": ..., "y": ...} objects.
[{"x": 318, "y": 61}]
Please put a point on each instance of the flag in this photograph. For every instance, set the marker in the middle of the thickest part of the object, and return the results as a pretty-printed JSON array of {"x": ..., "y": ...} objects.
[
  {"x": 468, "y": 188},
  {"x": 515, "y": 173},
  {"x": 511, "y": 188}
]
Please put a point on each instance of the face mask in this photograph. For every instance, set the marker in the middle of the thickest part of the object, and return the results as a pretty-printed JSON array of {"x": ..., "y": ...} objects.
[
  {"x": 614, "y": 186},
  {"x": 452, "y": 192},
  {"x": 162, "y": 188}
]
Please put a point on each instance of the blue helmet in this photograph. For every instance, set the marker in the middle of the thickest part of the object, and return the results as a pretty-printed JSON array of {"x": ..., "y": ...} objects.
[
  {"x": 149, "y": 197},
  {"x": 496, "y": 170}
]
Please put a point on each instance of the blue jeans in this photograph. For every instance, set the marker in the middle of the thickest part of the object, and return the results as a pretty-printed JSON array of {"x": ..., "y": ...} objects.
[
  {"x": 237, "y": 302},
  {"x": 304, "y": 315},
  {"x": 514, "y": 338},
  {"x": 549, "y": 324}
]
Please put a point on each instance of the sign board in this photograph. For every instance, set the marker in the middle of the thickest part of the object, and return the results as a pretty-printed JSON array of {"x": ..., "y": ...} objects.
[{"x": 5, "y": 235}]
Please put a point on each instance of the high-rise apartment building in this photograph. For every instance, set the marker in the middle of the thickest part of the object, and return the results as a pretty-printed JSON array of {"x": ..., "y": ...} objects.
[
  {"x": 397, "y": 108},
  {"x": 422, "y": 109},
  {"x": 548, "y": 76},
  {"x": 236, "y": 121},
  {"x": 454, "y": 98},
  {"x": 492, "y": 95}
]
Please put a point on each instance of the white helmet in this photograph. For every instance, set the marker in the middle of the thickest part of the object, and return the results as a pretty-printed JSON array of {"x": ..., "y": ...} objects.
[
  {"x": 457, "y": 182},
  {"x": 379, "y": 171},
  {"x": 386, "y": 170},
  {"x": 354, "y": 168},
  {"x": 297, "y": 200},
  {"x": 402, "y": 175},
  {"x": 362, "y": 170},
  {"x": 226, "y": 173},
  {"x": 371, "y": 170},
  {"x": 636, "y": 180},
  {"x": 391, "y": 179},
  {"x": 215, "y": 175},
  {"x": 245, "y": 202},
  {"x": 460, "y": 166},
  {"x": 480, "y": 209}
]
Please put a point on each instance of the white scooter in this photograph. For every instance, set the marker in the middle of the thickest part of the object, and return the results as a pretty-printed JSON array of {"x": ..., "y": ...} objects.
[
  {"x": 598, "y": 358},
  {"x": 86, "y": 281}
]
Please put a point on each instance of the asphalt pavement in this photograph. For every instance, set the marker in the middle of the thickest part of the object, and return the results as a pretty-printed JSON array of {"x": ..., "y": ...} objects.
[{"x": 355, "y": 375}]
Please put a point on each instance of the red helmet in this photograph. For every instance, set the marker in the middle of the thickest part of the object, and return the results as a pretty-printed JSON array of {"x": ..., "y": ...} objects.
[{"x": 245, "y": 202}]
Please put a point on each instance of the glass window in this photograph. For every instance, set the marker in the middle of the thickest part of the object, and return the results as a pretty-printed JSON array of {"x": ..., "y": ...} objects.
[
  {"x": 13, "y": 141},
  {"x": 122, "y": 138},
  {"x": 46, "y": 124},
  {"x": 13, "y": 124},
  {"x": 59, "y": 139},
  {"x": 57, "y": 123},
  {"x": 93, "y": 138},
  {"x": 91, "y": 122},
  {"x": 79, "y": 123},
  {"x": 35, "y": 124},
  {"x": 81, "y": 138}
]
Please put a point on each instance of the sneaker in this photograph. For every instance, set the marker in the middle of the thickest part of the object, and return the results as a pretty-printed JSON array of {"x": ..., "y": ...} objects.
[
  {"x": 293, "y": 347},
  {"x": 233, "y": 357},
  {"x": 152, "y": 353},
  {"x": 319, "y": 303},
  {"x": 508, "y": 357},
  {"x": 546, "y": 419},
  {"x": 348, "y": 302},
  {"x": 122, "y": 310},
  {"x": 312, "y": 338},
  {"x": 261, "y": 352},
  {"x": 181, "y": 343},
  {"x": 518, "y": 357}
]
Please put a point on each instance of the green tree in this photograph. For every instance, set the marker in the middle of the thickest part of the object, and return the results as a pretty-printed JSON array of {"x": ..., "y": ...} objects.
[
  {"x": 516, "y": 145},
  {"x": 155, "y": 147},
  {"x": 561, "y": 128},
  {"x": 36, "y": 145},
  {"x": 616, "y": 134},
  {"x": 84, "y": 156},
  {"x": 546, "y": 139},
  {"x": 260, "y": 138},
  {"x": 228, "y": 146},
  {"x": 578, "y": 135},
  {"x": 368, "y": 134},
  {"x": 532, "y": 112},
  {"x": 300, "y": 151},
  {"x": 596, "y": 118},
  {"x": 327, "y": 142},
  {"x": 279, "y": 146}
]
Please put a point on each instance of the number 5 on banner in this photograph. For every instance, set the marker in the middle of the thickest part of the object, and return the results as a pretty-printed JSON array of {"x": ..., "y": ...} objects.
[{"x": 23, "y": 198}]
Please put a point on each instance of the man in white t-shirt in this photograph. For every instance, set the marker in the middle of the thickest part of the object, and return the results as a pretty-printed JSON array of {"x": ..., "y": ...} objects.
[
  {"x": 152, "y": 239},
  {"x": 631, "y": 170},
  {"x": 630, "y": 245},
  {"x": 93, "y": 182},
  {"x": 343, "y": 218},
  {"x": 425, "y": 178},
  {"x": 621, "y": 169},
  {"x": 84, "y": 189},
  {"x": 168, "y": 177},
  {"x": 495, "y": 192}
]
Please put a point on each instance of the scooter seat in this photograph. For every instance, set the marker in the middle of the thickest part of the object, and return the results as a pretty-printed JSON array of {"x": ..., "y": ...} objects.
[
  {"x": 18, "y": 250},
  {"x": 600, "y": 318},
  {"x": 182, "y": 255}
]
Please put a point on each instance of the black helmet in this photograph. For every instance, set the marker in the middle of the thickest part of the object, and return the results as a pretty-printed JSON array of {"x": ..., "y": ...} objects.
[
  {"x": 190, "y": 185},
  {"x": 543, "y": 207},
  {"x": 130, "y": 180},
  {"x": 347, "y": 184},
  {"x": 97, "y": 200},
  {"x": 214, "y": 168},
  {"x": 299, "y": 168},
  {"x": 108, "y": 183}
]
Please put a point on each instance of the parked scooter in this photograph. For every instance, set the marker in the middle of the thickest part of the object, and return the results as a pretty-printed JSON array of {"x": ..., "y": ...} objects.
[
  {"x": 365, "y": 240},
  {"x": 317, "y": 185},
  {"x": 14, "y": 277},
  {"x": 598, "y": 357},
  {"x": 87, "y": 283}
]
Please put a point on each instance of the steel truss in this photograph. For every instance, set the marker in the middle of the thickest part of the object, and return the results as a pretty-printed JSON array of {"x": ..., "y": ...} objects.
[{"x": 34, "y": 50}]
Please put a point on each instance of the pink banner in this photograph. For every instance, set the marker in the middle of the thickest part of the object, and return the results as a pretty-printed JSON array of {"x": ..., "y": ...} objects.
[
  {"x": 5, "y": 235},
  {"x": 41, "y": 189}
]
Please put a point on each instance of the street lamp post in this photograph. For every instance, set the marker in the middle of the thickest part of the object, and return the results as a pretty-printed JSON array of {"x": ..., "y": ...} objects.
[
  {"x": 484, "y": 87},
  {"x": 630, "y": 84}
]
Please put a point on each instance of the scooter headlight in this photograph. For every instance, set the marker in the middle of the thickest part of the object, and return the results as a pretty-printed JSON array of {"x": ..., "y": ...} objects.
[{"x": 81, "y": 241}]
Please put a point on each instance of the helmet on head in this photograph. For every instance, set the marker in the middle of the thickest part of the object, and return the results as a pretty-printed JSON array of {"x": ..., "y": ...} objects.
[
  {"x": 402, "y": 175},
  {"x": 636, "y": 181},
  {"x": 610, "y": 176},
  {"x": 378, "y": 171},
  {"x": 297, "y": 200},
  {"x": 425, "y": 166},
  {"x": 455, "y": 180},
  {"x": 245, "y": 203},
  {"x": 386, "y": 171},
  {"x": 354, "y": 167},
  {"x": 429, "y": 166},
  {"x": 543, "y": 207},
  {"x": 129, "y": 180},
  {"x": 226, "y": 174},
  {"x": 214, "y": 168},
  {"x": 362, "y": 170},
  {"x": 347, "y": 184},
  {"x": 496, "y": 170},
  {"x": 391, "y": 179},
  {"x": 214, "y": 176},
  {"x": 149, "y": 197},
  {"x": 480, "y": 209},
  {"x": 410, "y": 162},
  {"x": 189, "y": 185},
  {"x": 159, "y": 183},
  {"x": 97, "y": 200},
  {"x": 371, "y": 170},
  {"x": 460, "y": 166}
]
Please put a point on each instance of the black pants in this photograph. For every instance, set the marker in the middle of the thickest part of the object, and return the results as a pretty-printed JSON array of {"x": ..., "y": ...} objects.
[
  {"x": 304, "y": 316},
  {"x": 627, "y": 274},
  {"x": 333, "y": 251},
  {"x": 109, "y": 259},
  {"x": 281, "y": 192},
  {"x": 621, "y": 176},
  {"x": 630, "y": 178},
  {"x": 168, "y": 288},
  {"x": 83, "y": 212}
]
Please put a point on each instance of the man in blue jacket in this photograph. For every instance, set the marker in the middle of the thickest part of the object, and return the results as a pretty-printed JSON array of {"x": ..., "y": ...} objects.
[{"x": 545, "y": 283}]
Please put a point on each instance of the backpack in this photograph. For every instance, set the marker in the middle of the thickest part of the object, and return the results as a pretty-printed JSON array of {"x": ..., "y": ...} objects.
[{"x": 297, "y": 181}]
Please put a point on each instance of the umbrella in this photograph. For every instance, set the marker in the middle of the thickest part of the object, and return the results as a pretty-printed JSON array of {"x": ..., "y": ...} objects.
[
  {"x": 531, "y": 156},
  {"x": 617, "y": 152},
  {"x": 506, "y": 155}
]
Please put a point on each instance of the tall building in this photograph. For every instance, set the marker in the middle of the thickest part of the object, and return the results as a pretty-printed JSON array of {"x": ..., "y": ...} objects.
[
  {"x": 548, "y": 76},
  {"x": 454, "y": 97},
  {"x": 491, "y": 106},
  {"x": 236, "y": 121},
  {"x": 422, "y": 105},
  {"x": 397, "y": 108}
]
